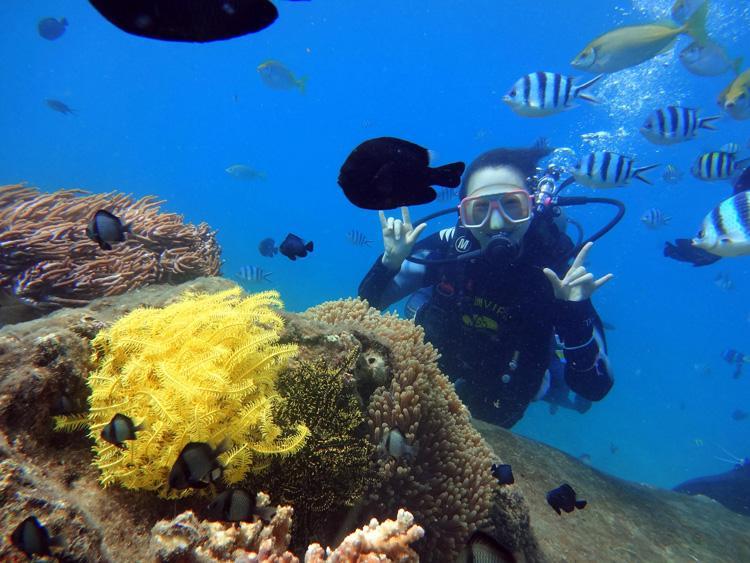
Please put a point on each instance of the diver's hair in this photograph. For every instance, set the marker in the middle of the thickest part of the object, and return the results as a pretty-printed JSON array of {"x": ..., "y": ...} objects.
[{"x": 524, "y": 160}]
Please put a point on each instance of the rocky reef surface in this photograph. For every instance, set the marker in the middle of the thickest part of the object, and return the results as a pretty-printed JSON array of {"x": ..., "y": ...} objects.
[{"x": 50, "y": 474}]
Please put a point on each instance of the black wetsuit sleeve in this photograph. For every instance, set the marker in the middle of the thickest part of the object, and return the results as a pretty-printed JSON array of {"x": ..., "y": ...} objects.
[{"x": 587, "y": 369}]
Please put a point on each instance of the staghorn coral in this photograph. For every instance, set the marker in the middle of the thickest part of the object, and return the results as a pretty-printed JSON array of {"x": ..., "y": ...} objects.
[
  {"x": 203, "y": 369},
  {"x": 447, "y": 486},
  {"x": 188, "y": 539},
  {"x": 330, "y": 474},
  {"x": 47, "y": 261}
]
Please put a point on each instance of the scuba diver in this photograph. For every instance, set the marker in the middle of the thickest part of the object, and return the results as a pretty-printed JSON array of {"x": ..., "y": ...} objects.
[{"x": 495, "y": 295}]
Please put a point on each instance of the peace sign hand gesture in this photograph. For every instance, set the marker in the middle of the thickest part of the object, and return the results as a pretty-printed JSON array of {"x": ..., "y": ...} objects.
[
  {"x": 398, "y": 238},
  {"x": 578, "y": 284}
]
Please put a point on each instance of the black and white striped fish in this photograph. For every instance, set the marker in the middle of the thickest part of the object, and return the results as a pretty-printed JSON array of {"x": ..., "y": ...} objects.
[
  {"x": 732, "y": 148},
  {"x": 672, "y": 174},
  {"x": 358, "y": 239},
  {"x": 545, "y": 93},
  {"x": 674, "y": 124},
  {"x": 655, "y": 219},
  {"x": 253, "y": 274},
  {"x": 726, "y": 230},
  {"x": 717, "y": 165},
  {"x": 605, "y": 169}
]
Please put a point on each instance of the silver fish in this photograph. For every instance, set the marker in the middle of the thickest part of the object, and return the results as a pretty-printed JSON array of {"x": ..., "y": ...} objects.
[
  {"x": 654, "y": 218},
  {"x": 244, "y": 172},
  {"x": 725, "y": 231},
  {"x": 708, "y": 59},
  {"x": 357, "y": 238},
  {"x": 605, "y": 169},
  {"x": 254, "y": 274},
  {"x": 674, "y": 124},
  {"x": 544, "y": 93}
]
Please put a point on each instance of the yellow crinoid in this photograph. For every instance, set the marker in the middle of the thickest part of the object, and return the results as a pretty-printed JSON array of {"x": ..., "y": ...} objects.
[{"x": 203, "y": 369}]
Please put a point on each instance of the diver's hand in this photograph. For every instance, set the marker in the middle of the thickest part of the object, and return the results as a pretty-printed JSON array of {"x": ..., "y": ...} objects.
[
  {"x": 578, "y": 284},
  {"x": 398, "y": 238}
]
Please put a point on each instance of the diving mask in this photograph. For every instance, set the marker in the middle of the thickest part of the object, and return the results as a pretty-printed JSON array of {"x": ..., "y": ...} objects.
[{"x": 513, "y": 205}]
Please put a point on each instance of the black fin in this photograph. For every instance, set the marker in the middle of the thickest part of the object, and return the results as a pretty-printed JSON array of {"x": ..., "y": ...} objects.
[
  {"x": 309, "y": 246},
  {"x": 448, "y": 175}
]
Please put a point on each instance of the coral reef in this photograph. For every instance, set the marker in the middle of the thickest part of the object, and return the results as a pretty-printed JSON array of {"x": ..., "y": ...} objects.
[
  {"x": 203, "y": 369},
  {"x": 47, "y": 261},
  {"x": 331, "y": 473},
  {"x": 448, "y": 485}
]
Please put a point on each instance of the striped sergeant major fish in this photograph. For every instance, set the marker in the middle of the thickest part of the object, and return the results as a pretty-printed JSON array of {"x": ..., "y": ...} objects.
[
  {"x": 671, "y": 174},
  {"x": 604, "y": 169},
  {"x": 726, "y": 230},
  {"x": 254, "y": 274},
  {"x": 654, "y": 218},
  {"x": 358, "y": 239},
  {"x": 673, "y": 124},
  {"x": 544, "y": 93},
  {"x": 717, "y": 165}
]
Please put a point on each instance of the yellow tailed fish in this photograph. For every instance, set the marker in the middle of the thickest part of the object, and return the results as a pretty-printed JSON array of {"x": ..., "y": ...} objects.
[
  {"x": 633, "y": 44},
  {"x": 735, "y": 98}
]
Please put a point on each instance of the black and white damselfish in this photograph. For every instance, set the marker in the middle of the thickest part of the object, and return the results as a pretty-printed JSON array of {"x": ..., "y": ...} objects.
[
  {"x": 717, "y": 165},
  {"x": 604, "y": 169},
  {"x": 539, "y": 94},
  {"x": 674, "y": 124}
]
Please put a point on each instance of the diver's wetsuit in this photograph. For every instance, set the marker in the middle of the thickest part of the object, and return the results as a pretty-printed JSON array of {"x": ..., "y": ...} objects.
[{"x": 485, "y": 318}]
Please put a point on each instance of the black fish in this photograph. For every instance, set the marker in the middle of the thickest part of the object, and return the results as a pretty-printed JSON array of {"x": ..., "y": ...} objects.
[
  {"x": 119, "y": 429},
  {"x": 60, "y": 107},
  {"x": 731, "y": 488},
  {"x": 196, "y": 466},
  {"x": 564, "y": 498},
  {"x": 267, "y": 247},
  {"x": 31, "y": 537},
  {"x": 105, "y": 228},
  {"x": 483, "y": 548},
  {"x": 294, "y": 247},
  {"x": 188, "y": 20},
  {"x": 385, "y": 173},
  {"x": 503, "y": 473},
  {"x": 52, "y": 29},
  {"x": 739, "y": 414},
  {"x": 684, "y": 251},
  {"x": 237, "y": 505}
]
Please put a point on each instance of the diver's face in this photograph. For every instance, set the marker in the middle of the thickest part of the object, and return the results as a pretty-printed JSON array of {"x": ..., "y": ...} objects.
[{"x": 491, "y": 181}]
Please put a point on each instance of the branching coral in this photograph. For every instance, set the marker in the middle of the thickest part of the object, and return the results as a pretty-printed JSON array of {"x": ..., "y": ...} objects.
[
  {"x": 47, "y": 261},
  {"x": 332, "y": 471},
  {"x": 203, "y": 369},
  {"x": 448, "y": 485}
]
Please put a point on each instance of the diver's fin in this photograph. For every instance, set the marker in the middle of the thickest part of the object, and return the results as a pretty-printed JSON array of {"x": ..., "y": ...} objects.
[
  {"x": 579, "y": 90},
  {"x": 696, "y": 24},
  {"x": 705, "y": 122},
  {"x": 638, "y": 171},
  {"x": 448, "y": 175}
]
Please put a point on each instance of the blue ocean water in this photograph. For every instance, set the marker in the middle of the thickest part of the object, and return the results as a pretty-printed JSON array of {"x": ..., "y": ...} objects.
[{"x": 167, "y": 119}]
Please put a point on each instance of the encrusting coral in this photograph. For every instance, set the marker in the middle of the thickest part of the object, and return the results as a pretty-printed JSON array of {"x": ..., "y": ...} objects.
[
  {"x": 203, "y": 369},
  {"x": 47, "y": 261},
  {"x": 448, "y": 485},
  {"x": 331, "y": 473}
]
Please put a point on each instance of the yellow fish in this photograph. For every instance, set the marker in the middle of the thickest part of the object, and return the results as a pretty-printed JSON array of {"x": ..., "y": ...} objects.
[
  {"x": 633, "y": 44},
  {"x": 735, "y": 98}
]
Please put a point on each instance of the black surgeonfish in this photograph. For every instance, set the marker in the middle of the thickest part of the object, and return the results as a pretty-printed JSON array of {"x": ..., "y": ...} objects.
[
  {"x": 31, "y": 537},
  {"x": 106, "y": 228},
  {"x": 731, "y": 488},
  {"x": 564, "y": 498},
  {"x": 198, "y": 21},
  {"x": 197, "y": 466},
  {"x": 683, "y": 251},
  {"x": 385, "y": 173},
  {"x": 503, "y": 473},
  {"x": 294, "y": 247}
]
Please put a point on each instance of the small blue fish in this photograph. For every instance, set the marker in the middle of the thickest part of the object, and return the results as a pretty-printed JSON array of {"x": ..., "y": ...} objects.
[
  {"x": 106, "y": 228},
  {"x": 278, "y": 77},
  {"x": 655, "y": 219},
  {"x": 294, "y": 247},
  {"x": 358, "y": 239},
  {"x": 51, "y": 29},
  {"x": 254, "y": 274},
  {"x": 564, "y": 498},
  {"x": 267, "y": 247}
]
